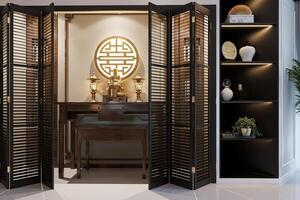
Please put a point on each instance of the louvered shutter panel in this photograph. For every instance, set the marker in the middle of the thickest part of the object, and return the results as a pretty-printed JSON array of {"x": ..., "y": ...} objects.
[
  {"x": 24, "y": 97},
  {"x": 158, "y": 97},
  {"x": 179, "y": 96},
  {"x": 201, "y": 88},
  {"x": 4, "y": 117},
  {"x": 181, "y": 115},
  {"x": 47, "y": 94}
]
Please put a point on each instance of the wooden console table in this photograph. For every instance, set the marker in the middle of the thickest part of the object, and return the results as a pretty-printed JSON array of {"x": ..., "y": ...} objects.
[
  {"x": 69, "y": 111},
  {"x": 89, "y": 127}
]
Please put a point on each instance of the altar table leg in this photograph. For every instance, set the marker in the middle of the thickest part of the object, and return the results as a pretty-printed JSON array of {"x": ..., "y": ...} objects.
[
  {"x": 144, "y": 151},
  {"x": 78, "y": 153},
  {"x": 72, "y": 153},
  {"x": 61, "y": 151},
  {"x": 87, "y": 153}
]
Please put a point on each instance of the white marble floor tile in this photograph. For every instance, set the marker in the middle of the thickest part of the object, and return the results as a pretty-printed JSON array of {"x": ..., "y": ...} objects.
[{"x": 130, "y": 187}]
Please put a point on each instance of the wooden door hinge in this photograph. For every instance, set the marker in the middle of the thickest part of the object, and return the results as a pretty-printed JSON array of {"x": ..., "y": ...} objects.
[
  {"x": 193, "y": 99},
  {"x": 193, "y": 19},
  {"x": 193, "y": 170}
]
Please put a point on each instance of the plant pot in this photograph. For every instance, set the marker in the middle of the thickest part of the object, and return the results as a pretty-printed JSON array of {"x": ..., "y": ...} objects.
[{"x": 246, "y": 131}]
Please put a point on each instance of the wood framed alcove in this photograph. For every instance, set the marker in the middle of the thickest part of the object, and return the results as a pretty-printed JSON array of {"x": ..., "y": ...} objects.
[{"x": 193, "y": 178}]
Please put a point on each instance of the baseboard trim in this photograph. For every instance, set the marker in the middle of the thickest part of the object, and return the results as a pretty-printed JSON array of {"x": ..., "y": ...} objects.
[
  {"x": 247, "y": 180},
  {"x": 287, "y": 176}
]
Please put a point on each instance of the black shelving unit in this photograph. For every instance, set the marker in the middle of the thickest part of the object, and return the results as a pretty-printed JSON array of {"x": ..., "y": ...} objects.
[{"x": 251, "y": 157}]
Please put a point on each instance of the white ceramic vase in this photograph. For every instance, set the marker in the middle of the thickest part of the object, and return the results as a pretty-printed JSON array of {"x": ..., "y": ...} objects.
[
  {"x": 226, "y": 94},
  {"x": 247, "y": 53},
  {"x": 246, "y": 131}
]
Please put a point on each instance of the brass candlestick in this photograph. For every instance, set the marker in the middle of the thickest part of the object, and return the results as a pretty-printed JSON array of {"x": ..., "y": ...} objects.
[
  {"x": 93, "y": 87},
  {"x": 138, "y": 87}
]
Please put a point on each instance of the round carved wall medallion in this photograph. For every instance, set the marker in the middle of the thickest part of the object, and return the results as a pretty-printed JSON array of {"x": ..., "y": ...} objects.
[{"x": 116, "y": 53}]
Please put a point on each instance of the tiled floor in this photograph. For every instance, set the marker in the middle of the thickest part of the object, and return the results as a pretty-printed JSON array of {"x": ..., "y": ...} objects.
[{"x": 133, "y": 189}]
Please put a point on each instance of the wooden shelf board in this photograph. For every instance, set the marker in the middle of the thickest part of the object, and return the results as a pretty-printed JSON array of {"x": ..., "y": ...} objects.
[
  {"x": 245, "y": 25},
  {"x": 237, "y": 63},
  {"x": 247, "y": 101},
  {"x": 248, "y": 139}
]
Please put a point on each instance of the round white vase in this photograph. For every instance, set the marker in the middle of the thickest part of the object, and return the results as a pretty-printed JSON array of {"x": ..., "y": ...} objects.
[
  {"x": 247, "y": 53},
  {"x": 246, "y": 131},
  {"x": 226, "y": 94}
]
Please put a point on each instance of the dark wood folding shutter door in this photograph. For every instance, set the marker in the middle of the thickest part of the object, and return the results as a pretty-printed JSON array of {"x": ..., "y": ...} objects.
[
  {"x": 47, "y": 76},
  {"x": 4, "y": 137},
  {"x": 158, "y": 97},
  {"x": 24, "y": 97},
  {"x": 201, "y": 85},
  {"x": 181, "y": 112}
]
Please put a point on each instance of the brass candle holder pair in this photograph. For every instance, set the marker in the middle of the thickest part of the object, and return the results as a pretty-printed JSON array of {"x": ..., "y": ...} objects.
[{"x": 115, "y": 86}]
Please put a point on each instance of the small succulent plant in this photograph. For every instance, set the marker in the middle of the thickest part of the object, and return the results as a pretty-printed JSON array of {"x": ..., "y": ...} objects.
[{"x": 245, "y": 122}]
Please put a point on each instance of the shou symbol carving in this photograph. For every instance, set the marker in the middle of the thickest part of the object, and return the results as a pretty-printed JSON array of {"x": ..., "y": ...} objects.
[{"x": 116, "y": 53}]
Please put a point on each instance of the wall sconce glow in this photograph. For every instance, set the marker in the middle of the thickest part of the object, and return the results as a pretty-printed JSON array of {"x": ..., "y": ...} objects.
[
  {"x": 246, "y": 26},
  {"x": 247, "y": 63},
  {"x": 269, "y": 102},
  {"x": 116, "y": 53}
]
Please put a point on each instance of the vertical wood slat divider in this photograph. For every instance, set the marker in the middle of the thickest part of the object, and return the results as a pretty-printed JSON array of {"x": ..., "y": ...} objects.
[
  {"x": 4, "y": 137},
  {"x": 158, "y": 100},
  {"x": 186, "y": 74},
  {"x": 202, "y": 132},
  {"x": 24, "y": 103},
  {"x": 181, "y": 144},
  {"x": 26, "y": 84},
  {"x": 48, "y": 95}
]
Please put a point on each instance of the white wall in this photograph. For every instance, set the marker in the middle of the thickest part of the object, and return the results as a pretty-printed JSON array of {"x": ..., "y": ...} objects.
[
  {"x": 297, "y": 120},
  {"x": 85, "y": 34},
  {"x": 61, "y": 59},
  {"x": 297, "y": 138},
  {"x": 286, "y": 92}
]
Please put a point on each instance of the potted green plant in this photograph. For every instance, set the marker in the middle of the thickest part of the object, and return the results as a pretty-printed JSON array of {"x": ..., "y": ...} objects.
[
  {"x": 294, "y": 74},
  {"x": 246, "y": 126}
]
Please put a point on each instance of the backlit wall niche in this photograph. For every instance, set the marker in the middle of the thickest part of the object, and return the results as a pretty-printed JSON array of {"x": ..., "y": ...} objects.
[{"x": 116, "y": 53}]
